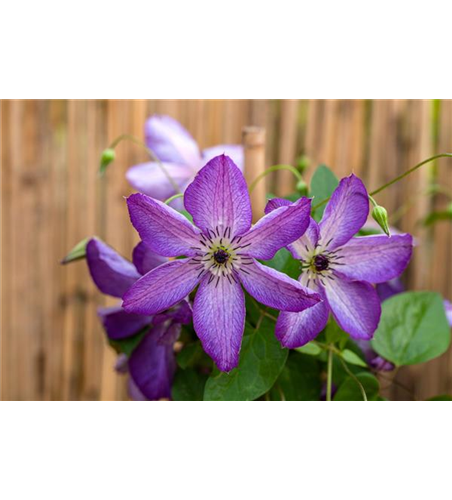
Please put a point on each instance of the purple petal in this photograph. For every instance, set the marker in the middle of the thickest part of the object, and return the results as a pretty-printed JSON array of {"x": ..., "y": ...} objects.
[
  {"x": 345, "y": 213},
  {"x": 162, "y": 288},
  {"x": 164, "y": 230},
  {"x": 152, "y": 367},
  {"x": 145, "y": 259},
  {"x": 111, "y": 273},
  {"x": 304, "y": 246},
  {"x": 219, "y": 197},
  {"x": 120, "y": 324},
  {"x": 377, "y": 362},
  {"x": 382, "y": 365},
  {"x": 295, "y": 329},
  {"x": 170, "y": 141},
  {"x": 121, "y": 364},
  {"x": 277, "y": 229},
  {"x": 366, "y": 348},
  {"x": 180, "y": 313},
  {"x": 376, "y": 259},
  {"x": 234, "y": 151},
  {"x": 151, "y": 179},
  {"x": 170, "y": 334},
  {"x": 307, "y": 241},
  {"x": 134, "y": 393},
  {"x": 275, "y": 289},
  {"x": 219, "y": 320},
  {"x": 275, "y": 203},
  {"x": 355, "y": 306},
  {"x": 448, "y": 309},
  {"x": 389, "y": 289}
]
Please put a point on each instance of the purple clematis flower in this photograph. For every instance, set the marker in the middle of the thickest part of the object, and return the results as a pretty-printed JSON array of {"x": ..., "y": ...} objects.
[
  {"x": 220, "y": 255},
  {"x": 152, "y": 364},
  {"x": 341, "y": 268},
  {"x": 181, "y": 158}
]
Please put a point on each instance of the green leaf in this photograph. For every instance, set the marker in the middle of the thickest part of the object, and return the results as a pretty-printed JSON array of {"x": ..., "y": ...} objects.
[
  {"x": 190, "y": 355},
  {"x": 261, "y": 361},
  {"x": 253, "y": 312},
  {"x": 369, "y": 231},
  {"x": 350, "y": 390},
  {"x": 443, "y": 397},
  {"x": 285, "y": 263},
  {"x": 437, "y": 216},
  {"x": 413, "y": 328},
  {"x": 129, "y": 344},
  {"x": 323, "y": 183},
  {"x": 352, "y": 358},
  {"x": 188, "y": 385},
  {"x": 77, "y": 253},
  {"x": 335, "y": 335},
  {"x": 299, "y": 380},
  {"x": 311, "y": 348}
]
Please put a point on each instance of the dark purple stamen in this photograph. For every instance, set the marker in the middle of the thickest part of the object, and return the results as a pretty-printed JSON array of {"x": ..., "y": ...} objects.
[
  {"x": 220, "y": 256},
  {"x": 321, "y": 263}
]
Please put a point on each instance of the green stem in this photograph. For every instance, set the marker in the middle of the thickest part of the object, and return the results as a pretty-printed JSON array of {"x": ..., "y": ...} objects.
[
  {"x": 149, "y": 151},
  {"x": 403, "y": 209},
  {"x": 269, "y": 316},
  {"x": 329, "y": 379},
  {"x": 411, "y": 170},
  {"x": 396, "y": 179},
  {"x": 174, "y": 197},
  {"x": 355, "y": 378},
  {"x": 275, "y": 168},
  {"x": 374, "y": 203}
]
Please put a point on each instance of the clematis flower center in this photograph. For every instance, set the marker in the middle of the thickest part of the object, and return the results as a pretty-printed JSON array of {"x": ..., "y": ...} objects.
[
  {"x": 220, "y": 255},
  {"x": 321, "y": 263}
]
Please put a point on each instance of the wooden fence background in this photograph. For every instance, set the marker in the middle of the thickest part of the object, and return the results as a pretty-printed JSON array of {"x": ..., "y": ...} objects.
[
  {"x": 52, "y": 346},
  {"x": 65, "y": 426}
]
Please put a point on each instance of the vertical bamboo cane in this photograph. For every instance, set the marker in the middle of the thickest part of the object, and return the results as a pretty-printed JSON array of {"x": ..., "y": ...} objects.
[
  {"x": 195, "y": 120},
  {"x": 254, "y": 144},
  {"x": 312, "y": 137}
]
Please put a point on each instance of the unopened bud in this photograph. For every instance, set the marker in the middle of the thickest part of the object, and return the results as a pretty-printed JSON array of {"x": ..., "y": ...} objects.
[
  {"x": 108, "y": 155},
  {"x": 302, "y": 187},
  {"x": 380, "y": 216}
]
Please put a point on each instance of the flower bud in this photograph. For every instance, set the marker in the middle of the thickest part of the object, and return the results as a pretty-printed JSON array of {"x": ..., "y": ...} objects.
[
  {"x": 302, "y": 187},
  {"x": 107, "y": 157},
  {"x": 380, "y": 216}
]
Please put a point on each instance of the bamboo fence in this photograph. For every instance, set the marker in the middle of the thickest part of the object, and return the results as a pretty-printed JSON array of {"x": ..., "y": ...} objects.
[{"x": 53, "y": 351}]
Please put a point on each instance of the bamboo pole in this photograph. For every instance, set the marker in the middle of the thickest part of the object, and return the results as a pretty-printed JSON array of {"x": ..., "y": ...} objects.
[
  {"x": 253, "y": 139},
  {"x": 195, "y": 121},
  {"x": 439, "y": 265},
  {"x": 6, "y": 147},
  {"x": 312, "y": 136}
]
